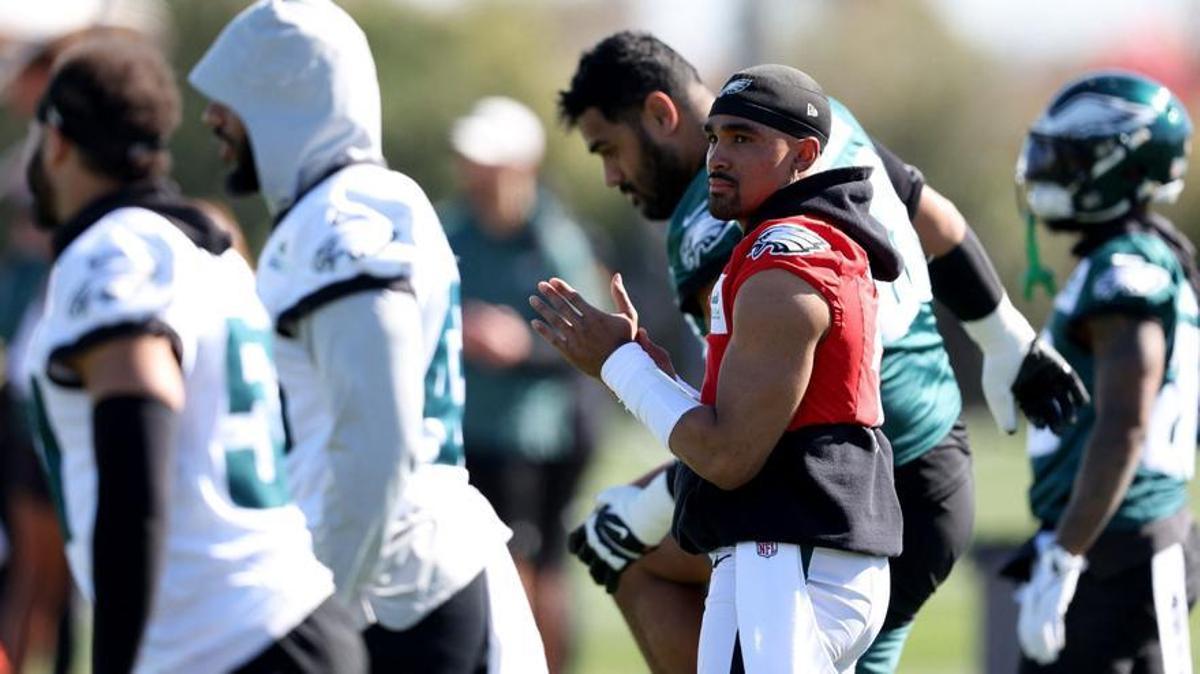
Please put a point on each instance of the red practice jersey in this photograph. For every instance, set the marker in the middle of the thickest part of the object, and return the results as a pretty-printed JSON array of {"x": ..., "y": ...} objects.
[{"x": 844, "y": 386}]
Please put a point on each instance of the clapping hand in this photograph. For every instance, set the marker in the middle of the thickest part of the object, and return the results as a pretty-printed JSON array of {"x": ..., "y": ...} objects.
[{"x": 583, "y": 334}]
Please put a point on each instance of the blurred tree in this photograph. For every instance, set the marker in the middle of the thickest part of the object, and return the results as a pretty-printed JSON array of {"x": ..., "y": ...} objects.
[{"x": 432, "y": 66}]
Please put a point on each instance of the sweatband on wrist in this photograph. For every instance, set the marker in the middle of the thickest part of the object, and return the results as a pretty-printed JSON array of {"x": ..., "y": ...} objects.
[
  {"x": 1003, "y": 328},
  {"x": 652, "y": 396},
  {"x": 965, "y": 281}
]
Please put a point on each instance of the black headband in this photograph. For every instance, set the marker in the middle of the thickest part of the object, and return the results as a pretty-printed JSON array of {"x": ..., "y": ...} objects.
[{"x": 780, "y": 97}]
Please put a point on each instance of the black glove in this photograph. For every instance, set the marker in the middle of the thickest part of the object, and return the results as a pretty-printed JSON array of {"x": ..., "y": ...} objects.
[
  {"x": 1047, "y": 389},
  {"x": 605, "y": 543}
]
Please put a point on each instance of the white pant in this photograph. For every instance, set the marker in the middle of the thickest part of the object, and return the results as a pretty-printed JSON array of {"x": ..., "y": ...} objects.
[
  {"x": 1168, "y": 576},
  {"x": 758, "y": 595},
  {"x": 514, "y": 643}
]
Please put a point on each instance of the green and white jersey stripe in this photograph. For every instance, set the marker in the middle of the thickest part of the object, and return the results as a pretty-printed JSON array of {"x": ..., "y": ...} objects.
[{"x": 1135, "y": 274}]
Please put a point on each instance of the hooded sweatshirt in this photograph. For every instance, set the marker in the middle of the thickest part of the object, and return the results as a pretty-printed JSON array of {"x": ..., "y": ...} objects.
[
  {"x": 376, "y": 462},
  {"x": 300, "y": 75}
]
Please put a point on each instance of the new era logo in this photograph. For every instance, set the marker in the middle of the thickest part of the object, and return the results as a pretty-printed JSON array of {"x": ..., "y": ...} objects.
[
  {"x": 812, "y": 111},
  {"x": 767, "y": 550}
]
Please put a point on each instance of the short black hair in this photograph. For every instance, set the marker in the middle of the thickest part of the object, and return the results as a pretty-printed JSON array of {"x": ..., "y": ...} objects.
[
  {"x": 115, "y": 98},
  {"x": 619, "y": 72}
]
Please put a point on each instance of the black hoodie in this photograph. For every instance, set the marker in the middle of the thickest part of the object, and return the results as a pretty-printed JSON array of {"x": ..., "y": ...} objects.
[{"x": 840, "y": 197}]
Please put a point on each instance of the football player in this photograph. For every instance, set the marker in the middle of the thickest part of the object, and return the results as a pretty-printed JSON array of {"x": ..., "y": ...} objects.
[
  {"x": 640, "y": 107},
  {"x": 362, "y": 290},
  {"x": 785, "y": 479},
  {"x": 1114, "y": 565},
  {"x": 156, "y": 400}
]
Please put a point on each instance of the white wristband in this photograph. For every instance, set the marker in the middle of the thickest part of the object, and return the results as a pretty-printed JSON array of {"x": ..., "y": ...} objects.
[
  {"x": 1003, "y": 329},
  {"x": 647, "y": 392}
]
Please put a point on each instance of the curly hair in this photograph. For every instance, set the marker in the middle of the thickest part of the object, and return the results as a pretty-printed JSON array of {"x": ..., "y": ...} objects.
[
  {"x": 618, "y": 73},
  {"x": 115, "y": 97}
]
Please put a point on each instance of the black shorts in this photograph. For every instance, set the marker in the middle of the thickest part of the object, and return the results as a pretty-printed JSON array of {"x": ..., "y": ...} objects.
[
  {"x": 452, "y": 639},
  {"x": 325, "y": 643},
  {"x": 937, "y": 497},
  {"x": 531, "y": 497},
  {"x": 1112, "y": 621}
]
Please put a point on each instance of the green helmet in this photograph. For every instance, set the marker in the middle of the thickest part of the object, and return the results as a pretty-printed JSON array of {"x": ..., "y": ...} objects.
[{"x": 1109, "y": 141}]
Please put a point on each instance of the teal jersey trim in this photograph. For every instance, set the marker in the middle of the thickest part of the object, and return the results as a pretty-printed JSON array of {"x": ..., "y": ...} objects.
[
  {"x": 445, "y": 388},
  {"x": 1135, "y": 274},
  {"x": 50, "y": 455}
]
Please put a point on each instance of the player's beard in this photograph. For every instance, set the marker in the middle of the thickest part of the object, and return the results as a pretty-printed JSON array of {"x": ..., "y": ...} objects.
[
  {"x": 243, "y": 179},
  {"x": 42, "y": 191},
  {"x": 663, "y": 175},
  {"x": 726, "y": 206}
]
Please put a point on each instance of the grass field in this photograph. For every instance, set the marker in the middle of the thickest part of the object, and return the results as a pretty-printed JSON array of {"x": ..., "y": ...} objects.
[{"x": 948, "y": 636}]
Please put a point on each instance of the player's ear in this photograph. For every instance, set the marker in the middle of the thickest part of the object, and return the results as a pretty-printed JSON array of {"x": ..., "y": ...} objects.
[
  {"x": 660, "y": 115},
  {"x": 805, "y": 154},
  {"x": 55, "y": 146}
]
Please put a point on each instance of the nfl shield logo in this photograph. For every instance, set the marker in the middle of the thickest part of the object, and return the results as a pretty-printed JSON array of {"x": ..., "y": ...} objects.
[{"x": 767, "y": 550}]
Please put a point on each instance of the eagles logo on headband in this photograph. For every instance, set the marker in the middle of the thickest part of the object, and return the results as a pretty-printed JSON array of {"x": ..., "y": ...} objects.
[{"x": 777, "y": 96}]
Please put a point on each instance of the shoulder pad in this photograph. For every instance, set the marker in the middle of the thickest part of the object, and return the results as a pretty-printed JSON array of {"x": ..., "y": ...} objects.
[
  {"x": 336, "y": 234},
  {"x": 121, "y": 273}
]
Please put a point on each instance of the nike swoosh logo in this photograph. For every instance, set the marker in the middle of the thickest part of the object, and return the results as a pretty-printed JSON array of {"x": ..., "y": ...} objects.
[{"x": 718, "y": 560}]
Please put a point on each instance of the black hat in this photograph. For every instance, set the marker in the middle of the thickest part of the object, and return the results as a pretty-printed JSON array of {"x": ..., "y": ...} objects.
[{"x": 780, "y": 97}]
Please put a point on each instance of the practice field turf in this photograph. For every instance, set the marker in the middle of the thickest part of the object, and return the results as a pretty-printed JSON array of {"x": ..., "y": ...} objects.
[{"x": 948, "y": 637}]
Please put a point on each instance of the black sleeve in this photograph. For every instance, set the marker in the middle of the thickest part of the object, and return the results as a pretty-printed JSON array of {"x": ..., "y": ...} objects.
[
  {"x": 133, "y": 439},
  {"x": 59, "y": 369},
  {"x": 965, "y": 281},
  {"x": 906, "y": 179},
  {"x": 286, "y": 323}
]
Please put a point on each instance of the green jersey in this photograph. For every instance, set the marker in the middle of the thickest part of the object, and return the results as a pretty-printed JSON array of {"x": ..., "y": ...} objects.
[
  {"x": 1135, "y": 274},
  {"x": 921, "y": 400}
]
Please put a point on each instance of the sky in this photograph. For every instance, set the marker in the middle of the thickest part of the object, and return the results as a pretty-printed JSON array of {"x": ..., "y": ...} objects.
[
  {"x": 707, "y": 32},
  {"x": 1054, "y": 29},
  {"x": 1024, "y": 30}
]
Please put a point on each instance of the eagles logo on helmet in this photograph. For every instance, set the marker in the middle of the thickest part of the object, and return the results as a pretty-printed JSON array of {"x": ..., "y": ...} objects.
[{"x": 1109, "y": 142}]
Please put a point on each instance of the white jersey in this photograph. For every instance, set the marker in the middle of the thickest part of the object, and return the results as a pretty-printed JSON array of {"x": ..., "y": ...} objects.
[
  {"x": 238, "y": 569},
  {"x": 368, "y": 227}
]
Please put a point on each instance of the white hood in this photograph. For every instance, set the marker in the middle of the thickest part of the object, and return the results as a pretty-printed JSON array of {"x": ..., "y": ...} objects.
[{"x": 300, "y": 75}]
